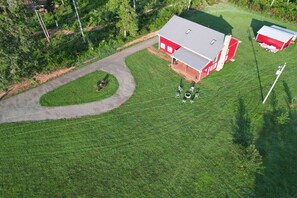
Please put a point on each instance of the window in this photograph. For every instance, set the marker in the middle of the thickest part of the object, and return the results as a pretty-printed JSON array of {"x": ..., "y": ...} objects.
[
  {"x": 162, "y": 46},
  {"x": 169, "y": 49},
  {"x": 213, "y": 67}
]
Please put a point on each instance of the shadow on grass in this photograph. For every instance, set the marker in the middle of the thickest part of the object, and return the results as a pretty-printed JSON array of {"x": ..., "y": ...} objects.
[
  {"x": 277, "y": 144},
  {"x": 257, "y": 65},
  {"x": 256, "y": 25},
  {"x": 208, "y": 20},
  {"x": 241, "y": 126},
  {"x": 106, "y": 79}
]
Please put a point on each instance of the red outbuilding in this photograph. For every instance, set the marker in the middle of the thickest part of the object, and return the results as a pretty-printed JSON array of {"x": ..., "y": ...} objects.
[
  {"x": 273, "y": 38},
  {"x": 196, "y": 50}
]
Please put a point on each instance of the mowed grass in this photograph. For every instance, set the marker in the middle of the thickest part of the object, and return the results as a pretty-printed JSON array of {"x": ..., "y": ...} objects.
[
  {"x": 153, "y": 146},
  {"x": 82, "y": 90}
]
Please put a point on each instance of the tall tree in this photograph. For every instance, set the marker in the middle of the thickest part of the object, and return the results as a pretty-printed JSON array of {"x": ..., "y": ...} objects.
[
  {"x": 18, "y": 49},
  {"x": 127, "y": 21}
]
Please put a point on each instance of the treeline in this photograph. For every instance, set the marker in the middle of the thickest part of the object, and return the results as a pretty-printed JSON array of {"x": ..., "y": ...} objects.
[
  {"x": 107, "y": 24},
  {"x": 285, "y": 9}
]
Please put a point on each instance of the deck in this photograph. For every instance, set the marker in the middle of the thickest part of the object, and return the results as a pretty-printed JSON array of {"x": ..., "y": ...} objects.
[{"x": 185, "y": 71}]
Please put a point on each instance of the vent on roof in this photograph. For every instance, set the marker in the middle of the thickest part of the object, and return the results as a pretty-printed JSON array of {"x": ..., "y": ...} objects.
[
  {"x": 188, "y": 31},
  {"x": 212, "y": 41}
]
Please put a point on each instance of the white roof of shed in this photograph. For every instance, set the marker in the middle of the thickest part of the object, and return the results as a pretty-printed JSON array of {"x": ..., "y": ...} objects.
[
  {"x": 275, "y": 33},
  {"x": 191, "y": 59},
  {"x": 284, "y": 29},
  {"x": 194, "y": 37}
]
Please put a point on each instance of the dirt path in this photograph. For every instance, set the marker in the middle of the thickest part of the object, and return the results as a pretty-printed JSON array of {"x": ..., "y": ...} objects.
[
  {"x": 57, "y": 31},
  {"x": 143, "y": 38}
]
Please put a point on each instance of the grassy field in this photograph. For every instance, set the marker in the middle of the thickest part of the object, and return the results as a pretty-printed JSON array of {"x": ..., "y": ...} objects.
[
  {"x": 82, "y": 90},
  {"x": 154, "y": 146}
]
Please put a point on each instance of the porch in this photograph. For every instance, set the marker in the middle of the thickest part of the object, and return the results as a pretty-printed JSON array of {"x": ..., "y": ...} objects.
[{"x": 185, "y": 71}]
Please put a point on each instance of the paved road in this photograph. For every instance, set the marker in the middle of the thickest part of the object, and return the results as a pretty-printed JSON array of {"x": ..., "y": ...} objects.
[{"x": 26, "y": 107}]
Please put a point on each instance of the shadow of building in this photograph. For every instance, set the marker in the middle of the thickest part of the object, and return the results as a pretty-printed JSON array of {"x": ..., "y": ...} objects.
[
  {"x": 214, "y": 22},
  {"x": 256, "y": 25}
]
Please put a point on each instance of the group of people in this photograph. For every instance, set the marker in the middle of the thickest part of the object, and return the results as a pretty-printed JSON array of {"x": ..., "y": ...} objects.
[{"x": 191, "y": 94}]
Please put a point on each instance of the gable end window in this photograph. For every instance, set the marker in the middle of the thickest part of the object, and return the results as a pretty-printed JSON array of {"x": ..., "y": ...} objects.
[
  {"x": 169, "y": 49},
  {"x": 162, "y": 45}
]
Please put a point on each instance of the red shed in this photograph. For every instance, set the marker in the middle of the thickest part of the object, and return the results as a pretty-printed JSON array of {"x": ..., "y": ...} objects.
[
  {"x": 196, "y": 50},
  {"x": 274, "y": 37}
]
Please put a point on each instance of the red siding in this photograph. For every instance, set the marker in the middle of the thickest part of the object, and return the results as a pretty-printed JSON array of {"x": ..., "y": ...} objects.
[
  {"x": 270, "y": 41},
  {"x": 232, "y": 49},
  {"x": 207, "y": 70},
  {"x": 288, "y": 43},
  {"x": 167, "y": 43}
]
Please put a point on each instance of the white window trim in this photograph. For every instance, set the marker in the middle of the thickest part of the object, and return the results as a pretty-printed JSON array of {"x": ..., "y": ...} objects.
[
  {"x": 169, "y": 49},
  {"x": 162, "y": 46}
]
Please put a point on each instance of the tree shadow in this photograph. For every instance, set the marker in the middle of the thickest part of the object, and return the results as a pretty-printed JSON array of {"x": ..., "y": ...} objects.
[
  {"x": 277, "y": 143},
  {"x": 287, "y": 90},
  {"x": 257, "y": 24},
  {"x": 214, "y": 22},
  {"x": 241, "y": 125},
  {"x": 257, "y": 65},
  {"x": 106, "y": 79}
]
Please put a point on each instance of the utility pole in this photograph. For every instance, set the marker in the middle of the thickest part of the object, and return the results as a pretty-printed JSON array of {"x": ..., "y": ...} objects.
[
  {"x": 278, "y": 73},
  {"x": 78, "y": 19},
  {"x": 42, "y": 26}
]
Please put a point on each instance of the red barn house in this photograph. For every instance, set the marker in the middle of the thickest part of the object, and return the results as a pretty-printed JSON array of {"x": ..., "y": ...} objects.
[
  {"x": 196, "y": 50},
  {"x": 274, "y": 38}
]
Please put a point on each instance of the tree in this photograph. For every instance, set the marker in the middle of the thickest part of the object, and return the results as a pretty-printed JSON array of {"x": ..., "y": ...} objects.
[
  {"x": 19, "y": 51},
  {"x": 126, "y": 17},
  {"x": 241, "y": 126}
]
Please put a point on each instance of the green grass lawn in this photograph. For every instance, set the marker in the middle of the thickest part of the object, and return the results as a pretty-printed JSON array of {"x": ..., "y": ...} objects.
[
  {"x": 153, "y": 145},
  {"x": 82, "y": 90}
]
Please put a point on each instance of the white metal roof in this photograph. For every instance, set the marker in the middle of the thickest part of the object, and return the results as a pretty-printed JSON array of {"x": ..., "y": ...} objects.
[
  {"x": 194, "y": 37},
  {"x": 191, "y": 59},
  {"x": 275, "y": 33},
  {"x": 285, "y": 30}
]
